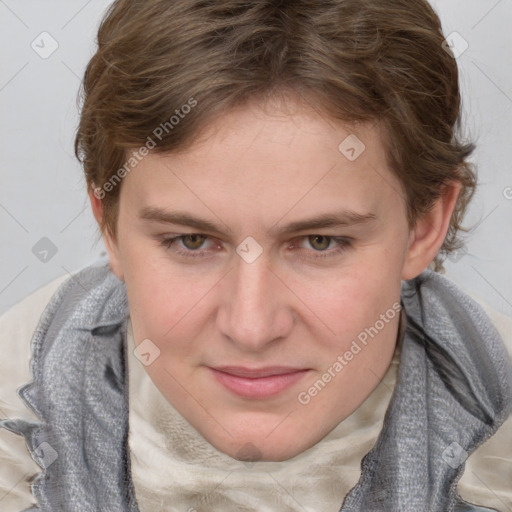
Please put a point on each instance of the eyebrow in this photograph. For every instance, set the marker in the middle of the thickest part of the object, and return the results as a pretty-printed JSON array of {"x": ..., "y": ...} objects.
[{"x": 326, "y": 220}]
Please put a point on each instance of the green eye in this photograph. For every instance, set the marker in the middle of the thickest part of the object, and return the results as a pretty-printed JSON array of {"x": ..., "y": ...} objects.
[
  {"x": 193, "y": 241},
  {"x": 192, "y": 245},
  {"x": 320, "y": 247},
  {"x": 186, "y": 245},
  {"x": 319, "y": 242}
]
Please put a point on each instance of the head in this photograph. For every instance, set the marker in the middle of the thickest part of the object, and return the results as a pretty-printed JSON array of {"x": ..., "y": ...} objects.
[{"x": 265, "y": 175}]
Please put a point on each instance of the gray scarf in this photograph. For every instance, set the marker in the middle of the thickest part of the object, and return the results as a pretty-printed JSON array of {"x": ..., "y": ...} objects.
[{"x": 453, "y": 391}]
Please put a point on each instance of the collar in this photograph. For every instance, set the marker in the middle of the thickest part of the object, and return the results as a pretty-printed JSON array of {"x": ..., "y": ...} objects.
[
  {"x": 174, "y": 468},
  {"x": 453, "y": 391}
]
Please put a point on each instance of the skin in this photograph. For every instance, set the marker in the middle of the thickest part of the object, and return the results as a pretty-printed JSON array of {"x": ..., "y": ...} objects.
[{"x": 253, "y": 171}]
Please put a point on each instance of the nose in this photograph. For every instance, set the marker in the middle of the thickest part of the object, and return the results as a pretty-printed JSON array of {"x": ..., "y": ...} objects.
[{"x": 256, "y": 309}]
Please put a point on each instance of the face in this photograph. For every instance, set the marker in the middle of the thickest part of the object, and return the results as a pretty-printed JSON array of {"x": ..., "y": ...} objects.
[{"x": 264, "y": 265}]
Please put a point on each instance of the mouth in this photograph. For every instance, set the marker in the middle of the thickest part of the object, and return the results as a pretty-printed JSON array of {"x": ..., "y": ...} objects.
[{"x": 257, "y": 383}]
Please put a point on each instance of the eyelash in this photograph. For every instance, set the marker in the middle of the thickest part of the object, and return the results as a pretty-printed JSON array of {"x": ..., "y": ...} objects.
[{"x": 344, "y": 244}]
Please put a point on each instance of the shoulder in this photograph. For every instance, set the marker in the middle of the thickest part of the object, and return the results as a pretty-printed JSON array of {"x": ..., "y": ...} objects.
[
  {"x": 503, "y": 324},
  {"x": 17, "y": 326},
  {"x": 488, "y": 472}
]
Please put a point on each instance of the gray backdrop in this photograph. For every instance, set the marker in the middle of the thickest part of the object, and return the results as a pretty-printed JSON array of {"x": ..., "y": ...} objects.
[{"x": 47, "y": 228}]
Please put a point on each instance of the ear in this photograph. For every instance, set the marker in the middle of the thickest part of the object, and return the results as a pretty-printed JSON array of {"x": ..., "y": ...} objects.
[
  {"x": 110, "y": 242},
  {"x": 427, "y": 236}
]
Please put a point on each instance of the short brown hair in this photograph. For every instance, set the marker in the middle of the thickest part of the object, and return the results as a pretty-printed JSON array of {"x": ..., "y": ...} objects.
[{"x": 356, "y": 60}]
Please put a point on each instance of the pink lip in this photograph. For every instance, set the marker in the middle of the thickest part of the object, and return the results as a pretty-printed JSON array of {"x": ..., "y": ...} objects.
[{"x": 257, "y": 383}]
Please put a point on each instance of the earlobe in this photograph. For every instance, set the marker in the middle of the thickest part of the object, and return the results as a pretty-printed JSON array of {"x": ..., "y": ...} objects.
[
  {"x": 427, "y": 236},
  {"x": 109, "y": 241}
]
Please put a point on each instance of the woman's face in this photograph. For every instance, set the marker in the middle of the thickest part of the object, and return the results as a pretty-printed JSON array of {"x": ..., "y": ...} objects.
[{"x": 290, "y": 243}]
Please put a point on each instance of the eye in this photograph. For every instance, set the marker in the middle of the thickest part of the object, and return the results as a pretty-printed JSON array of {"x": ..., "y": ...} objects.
[
  {"x": 321, "y": 245},
  {"x": 319, "y": 242},
  {"x": 190, "y": 244},
  {"x": 193, "y": 241}
]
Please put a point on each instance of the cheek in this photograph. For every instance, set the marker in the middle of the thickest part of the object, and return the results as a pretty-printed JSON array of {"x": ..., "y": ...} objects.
[
  {"x": 167, "y": 305},
  {"x": 365, "y": 319},
  {"x": 154, "y": 303},
  {"x": 346, "y": 300},
  {"x": 357, "y": 315},
  {"x": 162, "y": 307}
]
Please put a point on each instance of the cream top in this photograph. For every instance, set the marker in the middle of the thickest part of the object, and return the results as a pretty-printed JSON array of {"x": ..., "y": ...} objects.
[{"x": 175, "y": 469}]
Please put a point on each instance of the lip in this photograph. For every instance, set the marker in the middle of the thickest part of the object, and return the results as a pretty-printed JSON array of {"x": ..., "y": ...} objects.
[
  {"x": 254, "y": 373},
  {"x": 257, "y": 383}
]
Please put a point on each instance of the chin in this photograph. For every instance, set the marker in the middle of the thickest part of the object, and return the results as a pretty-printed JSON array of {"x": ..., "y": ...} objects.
[{"x": 261, "y": 448}]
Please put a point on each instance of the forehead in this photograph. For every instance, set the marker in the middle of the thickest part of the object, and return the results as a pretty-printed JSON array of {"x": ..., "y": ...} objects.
[
  {"x": 253, "y": 160},
  {"x": 278, "y": 129}
]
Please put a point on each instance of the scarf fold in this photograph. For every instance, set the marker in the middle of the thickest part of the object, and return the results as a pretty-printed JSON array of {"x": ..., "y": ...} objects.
[
  {"x": 453, "y": 391},
  {"x": 78, "y": 391}
]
